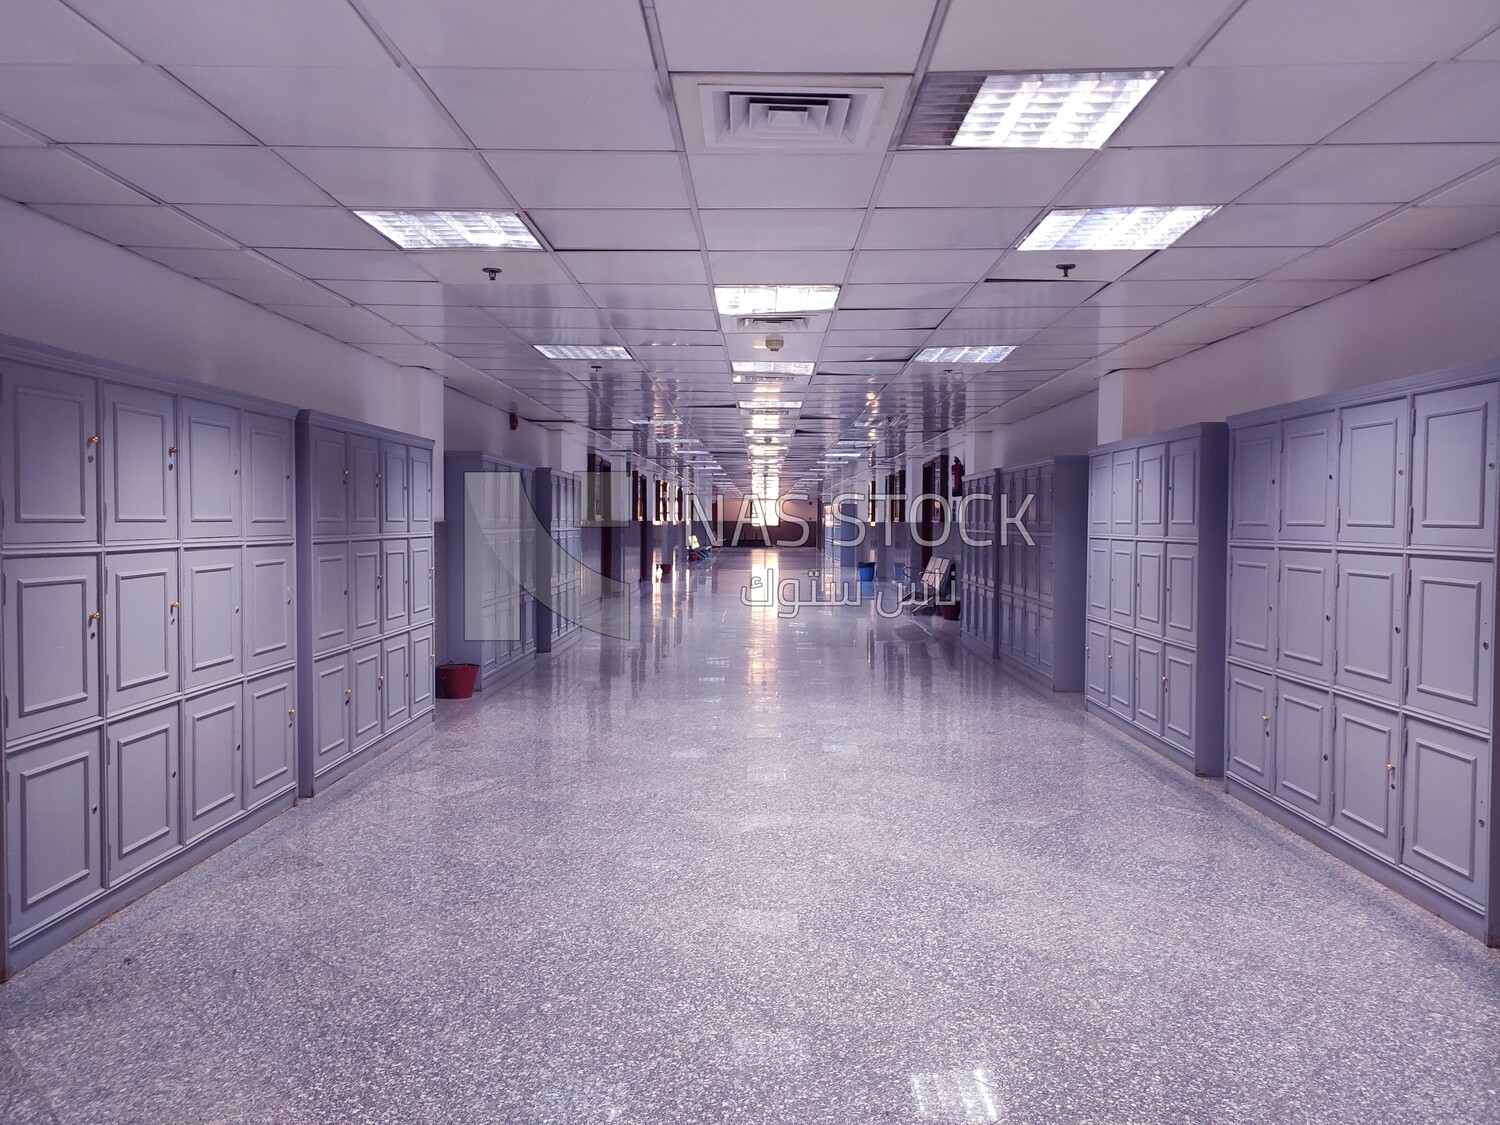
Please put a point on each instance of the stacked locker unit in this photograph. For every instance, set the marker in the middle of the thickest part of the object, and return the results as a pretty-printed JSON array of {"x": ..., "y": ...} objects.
[
  {"x": 554, "y": 498},
  {"x": 498, "y": 596},
  {"x": 1361, "y": 687},
  {"x": 1041, "y": 583},
  {"x": 1155, "y": 644},
  {"x": 364, "y": 512},
  {"x": 149, "y": 671},
  {"x": 978, "y": 605}
]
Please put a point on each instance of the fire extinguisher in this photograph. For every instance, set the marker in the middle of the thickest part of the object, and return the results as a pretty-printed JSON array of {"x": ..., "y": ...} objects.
[{"x": 958, "y": 477}]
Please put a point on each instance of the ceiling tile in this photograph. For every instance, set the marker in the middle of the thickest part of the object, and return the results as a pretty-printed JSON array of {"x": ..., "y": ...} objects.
[
  {"x": 45, "y": 31},
  {"x": 1477, "y": 191},
  {"x": 286, "y": 290},
  {"x": 1450, "y": 102},
  {"x": 636, "y": 267},
  {"x": 446, "y": 334},
  {"x": 14, "y": 136},
  {"x": 466, "y": 267},
  {"x": 1161, "y": 292},
  {"x": 794, "y": 37},
  {"x": 354, "y": 326},
  {"x": 1442, "y": 228},
  {"x": 1084, "y": 35},
  {"x": 782, "y": 228},
  {"x": 998, "y": 319},
  {"x": 592, "y": 179},
  {"x": 1214, "y": 262},
  {"x": 443, "y": 179},
  {"x": 130, "y": 104},
  {"x": 1129, "y": 316},
  {"x": 500, "y": 294},
  {"x": 1065, "y": 336},
  {"x": 651, "y": 296},
  {"x": 1350, "y": 262},
  {"x": 779, "y": 267},
  {"x": 1346, "y": 31},
  {"x": 1290, "y": 224},
  {"x": 946, "y": 228},
  {"x": 53, "y": 175},
  {"x": 1030, "y": 294},
  {"x": 1186, "y": 176},
  {"x": 1204, "y": 326},
  {"x": 1002, "y": 178},
  {"x": 617, "y": 229},
  {"x": 902, "y": 296},
  {"x": 888, "y": 319},
  {"x": 555, "y": 109},
  {"x": 207, "y": 173},
  {"x": 840, "y": 355},
  {"x": 140, "y": 226},
  {"x": 350, "y": 265},
  {"x": 920, "y": 266},
  {"x": 663, "y": 319},
  {"x": 222, "y": 264},
  {"x": 633, "y": 337},
  {"x": 1258, "y": 105},
  {"x": 330, "y": 228},
  {"x": 1086, "y": 265},
  {"x": 909, "y": 340},
  {"x": 777, "y": 180},
  {"x": 1370, "y": 173},
  {"x": 432, "y": 315},
  {"x": 1286, "y": 293},
  {"x": 1486, "y": 50}
]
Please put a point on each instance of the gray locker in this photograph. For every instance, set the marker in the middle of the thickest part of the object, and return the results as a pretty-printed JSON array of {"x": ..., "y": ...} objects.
[
  {"x": 396, "y": 694},
  {"x": 1304, "y": 749},
  {"x": 395, "y": 516},
  {"x": 1042, "y": 507},
  {"x": 269, "y": 502},
  {"x": 1305, "y": 628},
  {"x": 329, "y": 609},
  {"x": 1121, "y": 672},
  {"x": 210, "y": 488},
  {"x": 140, "y": 465},
  {"x": 1100, "y": 513},
  {"x": 1373, "y": 455},
  {"x": 328, "y": 485},
  {"x": 1046, "y": 574},
  {"x": 1096, "y": 665},
  {"x": 1179, "y": 698},
  {"x": 1179, "y": 614},
  {"x": 1046, "y": 632},
  {"x": 1366, "y": 776},
  {"x": 333, "y": 692},
  {"x": 1451, "y": 666},
  {"x": 270, "y": 607},
  {"x": 213, "y": 787},
  {"x": 1098, "y": 582},
  {"x": 419, "y": 479},
  {"x": 395, "y": 586},
  {"x": 1371, "y": 611},
  {"x": 422, "y": 574},
  {"x": 52, "y": 616},
  {"x": 1251, "y": 702},
  {"x": 365, "y": 606},
  {"x": 1150, "y": 588},
  {"x": 270, "y": 736},
  {"x": 1252, "y": 605},
  {"x": 364, "y": 485},
  {"x": 142, "y": 608},
  {"x": 49, "y": 457},
  {"x": 142, "y": 813},
  {"x": 1453, "y": 468},
  {"x": 1446, "y": 807},
  {"x": 211, "y": 591},
  {"x": 1122, "y": 583},
  {"x": 1122, "y": 491},
  {"x": 1182, "y": 488},
  {"x": 423, "y": 670},
  {"x": 1254, "y": 511},
  {"x": 368, "y": 680},
  {"x": 1151, "y": 507},
  {"x": 53, "y": 858},
  {"x": 1150, "y": 680},
  {"x": 1309, "y": 486}
]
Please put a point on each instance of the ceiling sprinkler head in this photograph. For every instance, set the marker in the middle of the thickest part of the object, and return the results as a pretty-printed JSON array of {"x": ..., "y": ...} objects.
[
  {"x": 1067, "y": 268},
  {"x": 491, "y": 272}
]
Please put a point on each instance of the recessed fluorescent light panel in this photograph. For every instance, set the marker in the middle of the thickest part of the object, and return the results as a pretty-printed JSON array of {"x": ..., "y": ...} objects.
[
  {"x": 571, "y": 351},
  {"x": 764, "y": 379},
  {"x": 770, "y": 404},
  {"x": 983, "y": 353},
  {"x": 1114, "y": 228},
  {"x": 1036, "y": 110},
  {"x": 771, "y": 367},
  {"x": 760, "y": 300},
  {"x": 449, "y": 230}
]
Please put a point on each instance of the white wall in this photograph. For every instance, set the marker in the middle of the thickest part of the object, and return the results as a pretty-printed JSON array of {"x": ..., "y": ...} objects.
[{"x": 1070, "y": 427}]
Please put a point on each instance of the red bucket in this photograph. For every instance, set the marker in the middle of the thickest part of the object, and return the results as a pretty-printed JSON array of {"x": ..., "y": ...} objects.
[{"x": 456, "y": 681}]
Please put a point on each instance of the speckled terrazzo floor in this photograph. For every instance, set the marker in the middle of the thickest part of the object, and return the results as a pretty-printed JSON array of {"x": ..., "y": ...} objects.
[{"x": 749, "y": 869}]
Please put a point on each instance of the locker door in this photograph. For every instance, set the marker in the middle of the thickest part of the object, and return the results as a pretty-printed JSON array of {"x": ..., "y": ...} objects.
[
  {"x": 1122, "y": 492},
  {"x": 1253, "y": 509},
  {"x": 419, "y": 478},
  {"x": 211, "y": 616},
  {"x": 1179, "y": 702},
  {"x": 329, "y": 468},
  {"x": 369, "y": 683},
  {"x": 395, "y": 515},
  {"x": 1046, "y": 641},
  {"x": 1033, "y": 566},
  {"x": 1373, "y": 451},
  {"x": 1100, "y": 515},
  {"x": 142, "y": 607},
  {"x": 397, "y": 693},
  {"x": 52, "y": 618},
  {"x": 1122, "y": 584},
  {"x": 1445, "y": 810},
  {"x": 1450, "y": 668},
  {"x": 1121, "y": 674},
  {"x": 1182, "y": 489},
  {"x": 1031, "y": 485},
  {"x": 212, "y": 785},
  {"x": 1371, "y": 611},
  {"x": 271, "y": 607},
  {"x": 1150, "y": 588},
  {"x": 1043, "y": 503},
  {"x": 1252, "y": 605},
  {"x": 1098, "y": 593},
  {"x": 1305, "y": 643},
  {"x": 141, "y": 793},
  {"x": 423, "y": 671},
  {"x": 422, "y": 571},
  {"x": 53, "y": 857},
  {"x": 1249, "y": 753},
  {"x": 270, "y": 736},
  {"x": 1151, "y": 510},
  {"x": 1044, "y": 571},
  {"x": 1031, "y": 632},
  {"x": 269, "y": 503},
  {"x": 1366, "y": 776},
  {"x": 1010, "y": 631},
  {"x": 1453, "y": 468},
  {"x": 140, "y": 465},
  {"x": 332, "y": 696},
  {"x": 395, "y": 588},
  {"x": 210, "y": 484},
  {"x": 330, "y": 596},
  {"x": 364, "y": 600},
  {"x": 1304, "y": 749},
  {"x": 1309, "y": 489},
  {"x": 364, "y": 485},
  {"x": 50, "y": 457},
  {"x": 1148, "y": 684},
  {"x": 1180, "y": 602},
  {"x": 1096, "y": 658}
]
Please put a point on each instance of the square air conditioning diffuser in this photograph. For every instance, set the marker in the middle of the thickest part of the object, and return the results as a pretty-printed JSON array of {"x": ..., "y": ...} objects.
[{"x": 782, "y": 113}]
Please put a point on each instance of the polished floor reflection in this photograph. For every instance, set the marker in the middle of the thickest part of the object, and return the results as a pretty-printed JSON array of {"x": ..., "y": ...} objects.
[{"x": 755, "y": 866}]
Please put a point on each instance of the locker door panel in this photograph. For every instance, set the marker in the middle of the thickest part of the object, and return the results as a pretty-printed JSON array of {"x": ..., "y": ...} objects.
[
  {"x": 1450, "y": 665},
  {"x": 1253, "y": 502},
  {"x": 329, "y": 467},
  {"x": 1044, "y": 571},
  {"x": 53, "y": 856},
  {"x": 369, "y": 683},
  {"x": 269, "y": 503},
  {"x": 141, "y": 803},
  {"x": 1150, "y": 588},
  {"x": 1180, "y": 601},
  {"x": 332, "y": 708},
  {"x": 1304, "y": 749},
  {"x": 140, "y": 455},
  {"x": 1309, "y": 490},
  {"x": 397, "y": 693},
  {"x": 211, "y": 591},
  {"x": 49, "y": 457},
  {"x": 1100, "y": 515},
  {"x": 1096, "y": 663},
  {"x": 1148, "y": 684},
  {"x": 1122, "y": 584},
  {"x": 270, "y": 736},
  {"x": 1122, "y": 493},
  {"x": 364, "y": 485},
  {"x": 395, "y": 515},
  {"x": 51, "y": 643},
  {"x": 395, "y": 589},
  {"x": 422, "y": 576},
  {"x": 1182, "y": 489},
  {"x": 1305, "y": 599},
  {"x": 1043, "y": 504},
  {"x": 1121, "y": 674},
  {"x": 1371, "y": 611},
  {"x": 1179, "y": 703},
  {"x": 1366, "y": 776},
  {"x": 212, "y": 786},
  {"x": 1046, "y": 641},
  {"x": 1151, "y": 511},
  {"x": 1453, "y": 468},
  {"x": 210, "y": 468},
  {"x": 1033, "y": 565},
  {"x": 330, "y": 596},
  {"x": 271, "y": 607},
  {"x": 1373, "y": 454},
  {"x": 423, "y": 671},
  {"x": 1250, "y": 707},
  {"x": 1098, "y": 590},
  {"x": 1031, "y": 632},
  {"x": 142, "y": 607},
  {"x": 419, "y": 480},
  {"x": 1446, "y": 808},
  {"x": 364, "y": 599},
  {"x": 1252, "y": 605}
]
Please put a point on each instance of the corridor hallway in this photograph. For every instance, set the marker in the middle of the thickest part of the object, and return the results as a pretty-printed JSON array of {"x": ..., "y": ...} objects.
[{"x": 747, "y": 867}]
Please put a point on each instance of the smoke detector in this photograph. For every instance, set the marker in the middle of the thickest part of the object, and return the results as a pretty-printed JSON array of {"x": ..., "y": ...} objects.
[{"x": 774, "y": 343}]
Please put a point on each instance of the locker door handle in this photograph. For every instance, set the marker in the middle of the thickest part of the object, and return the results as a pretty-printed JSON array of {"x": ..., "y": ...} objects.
[
  {"x": 95, "y": 616},
  {"x": 171, "y": 451},
  {"x": 93, "y": 439},
  {"x": 1390, "y": 767},
  {"x": 174, "y": 605}
]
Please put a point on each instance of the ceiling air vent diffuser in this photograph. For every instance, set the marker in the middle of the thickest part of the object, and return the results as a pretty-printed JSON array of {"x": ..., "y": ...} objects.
[
  {"x": 750, "y": 113},
  {"x": 782, "y": 323}
]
